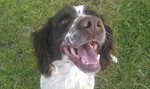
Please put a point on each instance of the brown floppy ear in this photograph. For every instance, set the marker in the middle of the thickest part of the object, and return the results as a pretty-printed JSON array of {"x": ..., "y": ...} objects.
[
  {"x": 105, "y": 58},
  {"x": 41, "y": 41}
]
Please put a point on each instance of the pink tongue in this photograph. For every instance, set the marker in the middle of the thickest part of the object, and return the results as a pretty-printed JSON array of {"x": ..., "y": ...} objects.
[{"x": 87, "y": 54}]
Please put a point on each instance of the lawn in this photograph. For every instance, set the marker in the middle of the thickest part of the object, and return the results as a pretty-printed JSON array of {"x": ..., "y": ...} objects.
[{"x": 129, "y": 19}]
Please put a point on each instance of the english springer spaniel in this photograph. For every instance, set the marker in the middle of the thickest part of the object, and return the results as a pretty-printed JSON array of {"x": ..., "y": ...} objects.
[{"x": 71, "y": 47}]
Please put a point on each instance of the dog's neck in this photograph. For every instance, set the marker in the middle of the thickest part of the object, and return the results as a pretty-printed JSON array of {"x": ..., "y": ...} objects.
[{"x": 66, "y": 75}]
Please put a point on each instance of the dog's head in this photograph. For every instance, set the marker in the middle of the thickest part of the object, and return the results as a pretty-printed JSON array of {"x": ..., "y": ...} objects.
[{"x": 78, "y": 32}]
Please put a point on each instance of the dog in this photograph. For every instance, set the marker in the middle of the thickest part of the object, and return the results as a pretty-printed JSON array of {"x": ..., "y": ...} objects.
[{"x": 71, "y": 47}]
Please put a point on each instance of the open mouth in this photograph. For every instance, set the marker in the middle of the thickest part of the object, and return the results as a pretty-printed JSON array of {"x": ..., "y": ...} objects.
[{"x": 85, "y": 56}]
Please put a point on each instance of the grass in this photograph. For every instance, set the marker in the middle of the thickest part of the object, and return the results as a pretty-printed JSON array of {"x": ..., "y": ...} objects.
[{"x": 129, "y": 19}]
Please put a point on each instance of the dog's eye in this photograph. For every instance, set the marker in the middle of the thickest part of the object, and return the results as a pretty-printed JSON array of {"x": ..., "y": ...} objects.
[{"x": 64, "y": 19}]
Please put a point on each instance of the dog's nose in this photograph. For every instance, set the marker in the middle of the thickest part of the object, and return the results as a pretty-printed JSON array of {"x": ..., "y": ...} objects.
[{"x": 90, "y": 24}]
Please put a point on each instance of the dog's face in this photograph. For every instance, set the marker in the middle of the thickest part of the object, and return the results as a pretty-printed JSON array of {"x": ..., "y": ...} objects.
[{"x": 77, "y": 32}]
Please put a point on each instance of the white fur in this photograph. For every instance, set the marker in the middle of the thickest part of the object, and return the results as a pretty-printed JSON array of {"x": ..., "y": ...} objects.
[
  {"x": 66, "y": 75},
  {"x": 70, "y": 36},
  {"x": 79, "y": 10}
]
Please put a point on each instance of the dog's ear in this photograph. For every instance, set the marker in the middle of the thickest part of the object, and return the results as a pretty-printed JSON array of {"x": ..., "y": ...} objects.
[
  {"x": 41, "y": 41},
  {"x": 105, "y": 58}
]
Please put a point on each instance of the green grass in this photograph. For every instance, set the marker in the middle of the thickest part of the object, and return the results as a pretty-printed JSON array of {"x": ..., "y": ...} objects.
[{"x": 130, "y": 20}]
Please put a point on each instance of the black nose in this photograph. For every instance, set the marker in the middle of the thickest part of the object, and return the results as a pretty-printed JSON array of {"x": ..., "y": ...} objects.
[{"x": 90, "y": 24}]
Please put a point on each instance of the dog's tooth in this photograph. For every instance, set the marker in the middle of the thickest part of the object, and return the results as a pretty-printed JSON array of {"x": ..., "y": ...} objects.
[
  {"x": 72, "y": 51},
  {"x": 98, "y": 56}
]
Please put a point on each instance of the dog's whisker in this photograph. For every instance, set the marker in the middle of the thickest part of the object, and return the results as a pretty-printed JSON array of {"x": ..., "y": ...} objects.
[{"x": 61, "y": 38}]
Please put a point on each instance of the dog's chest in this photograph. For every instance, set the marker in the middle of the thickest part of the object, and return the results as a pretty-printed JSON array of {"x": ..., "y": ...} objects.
[{"x": 67, "y": 76}]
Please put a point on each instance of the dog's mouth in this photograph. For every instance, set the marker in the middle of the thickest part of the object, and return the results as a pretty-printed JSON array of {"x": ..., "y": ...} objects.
[{"x": 85, "y": 56}]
